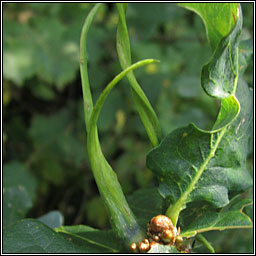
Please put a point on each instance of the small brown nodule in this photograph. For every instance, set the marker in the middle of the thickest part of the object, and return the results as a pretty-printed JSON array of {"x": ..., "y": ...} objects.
[
  {"x": 167, "y": 236},
  {"x": 179, "y": 239},
  {"x": 133, "y": 247},
  {"x": 144, "y": 246},
  {"x": 160, "y": 223}
]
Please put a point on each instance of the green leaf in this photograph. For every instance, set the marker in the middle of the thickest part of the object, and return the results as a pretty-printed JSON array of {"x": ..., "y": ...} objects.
[
  {"x": 53, "y": 219},
  {"x": 219, "y": 76},
  {"x": 96, "y": 213},
  {"x": 30, "y": 50},
  {"x": 62, "y": 55},
  {"x": 32, "y": 236},
  {"x": 16, "y": 174},
  {"x": 105, "y": 239},
  {"x": 196, "y": 219},
  {"x": 229, "y": 110},
  {"x": 178, "y": 157},
  {"x": 16, "y": 203},
  {"x": 17, "y": 57},
  {"x": 160, "y": 248},
  {"x": 219, "y": 19},
  {"x": 45, "y": 129},
  {"x": 56, "y": 145},
  {"x": 209, "y": 166},
  {"x": 188, "y": 86},
  {"x": 19, "y": 192},
  {"x": 193, "y": 165},
  {"x": 43, "y": 91},
  {"x": 145, "y": 203}
]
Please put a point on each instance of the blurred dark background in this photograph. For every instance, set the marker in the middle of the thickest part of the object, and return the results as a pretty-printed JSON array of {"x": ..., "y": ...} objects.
[{"x": 44, "y": 140}]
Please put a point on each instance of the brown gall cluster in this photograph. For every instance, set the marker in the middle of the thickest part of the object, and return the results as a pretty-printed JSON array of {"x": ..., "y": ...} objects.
[{"x": 160, "y": 230}]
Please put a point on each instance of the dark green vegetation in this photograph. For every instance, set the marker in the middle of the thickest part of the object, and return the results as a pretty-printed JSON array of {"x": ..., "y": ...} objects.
[{"x": 46, "y": 164}]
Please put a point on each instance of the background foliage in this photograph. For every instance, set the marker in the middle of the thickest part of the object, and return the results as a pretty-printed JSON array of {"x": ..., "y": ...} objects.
[{"x": 45, "y": 160}]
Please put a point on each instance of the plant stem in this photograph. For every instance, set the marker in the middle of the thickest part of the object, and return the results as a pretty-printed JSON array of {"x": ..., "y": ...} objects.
[
  {"x": 204, "y": 241},
  {"x": 144, "y": 108},
  {"x": 88, "y": 103},
  {"x": 110, "y": 86},
  {"x": 120, "y": 215}
]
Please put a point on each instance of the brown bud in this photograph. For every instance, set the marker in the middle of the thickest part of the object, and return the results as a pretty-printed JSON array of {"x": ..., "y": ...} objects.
[
  {"x": 181, "y": 248},
  {"x": 156, "y": 238},
  {"x": 167, "y": 236},
  {"x": 160, "y": 223},
  {"x": 133, "y": 247},
  {"x": 179, "y": 239},
  {"x": 144, "y": 246},
  {"x": 145, "y": 241}
]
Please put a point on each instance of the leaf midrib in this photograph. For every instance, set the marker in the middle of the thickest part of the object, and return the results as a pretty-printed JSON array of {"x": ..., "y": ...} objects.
[
  {"x": 88, "y": 240},
  {"x": 174, "y": 209}
]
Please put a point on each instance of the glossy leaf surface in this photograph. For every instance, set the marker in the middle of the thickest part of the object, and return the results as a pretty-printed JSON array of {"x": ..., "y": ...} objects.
[
  {"x": 209, "y": 166},
  {"x": 105, "y": 239},
  {"x": 32, "y": 236},
  {"x": 196, "y": 219},
  {"x": 145, "y": 203},
  {"x": 219, "y": 19},
  {"x": 19, "y": 188},
  {"x": 218, "y": 77}
]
